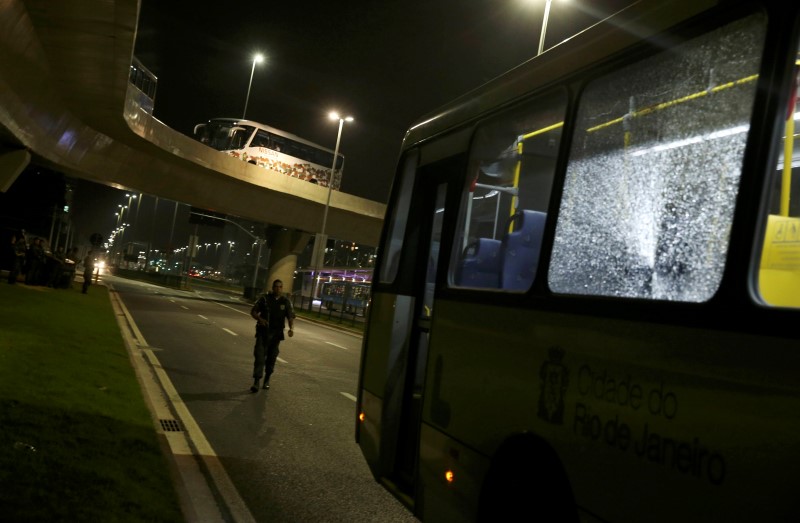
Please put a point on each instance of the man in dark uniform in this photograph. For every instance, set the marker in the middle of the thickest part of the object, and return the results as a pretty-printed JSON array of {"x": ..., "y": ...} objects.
[
  {"x": 270, "y": 311},
  {"x": 35, "y": 261},
  {"x": 18, "y": 250},
  {"x": 88, "y": 269}
]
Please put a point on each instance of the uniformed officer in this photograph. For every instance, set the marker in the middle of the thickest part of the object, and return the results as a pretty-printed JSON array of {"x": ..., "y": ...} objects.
[{"x": 271, "y": 312}]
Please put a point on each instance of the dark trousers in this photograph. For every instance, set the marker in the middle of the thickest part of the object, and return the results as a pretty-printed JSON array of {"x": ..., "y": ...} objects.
[
  {"x": 265, "y": 353},
  {"x": 87, "y": 280},
  {"x": 34, "y": 274},
  {"x": 16, "y": 268}
]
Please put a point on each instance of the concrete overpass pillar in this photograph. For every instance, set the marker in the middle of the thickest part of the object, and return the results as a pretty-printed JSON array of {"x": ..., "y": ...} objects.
[
  {"x": 11, "y": 165},
  {"x": 284, "y": 246}
]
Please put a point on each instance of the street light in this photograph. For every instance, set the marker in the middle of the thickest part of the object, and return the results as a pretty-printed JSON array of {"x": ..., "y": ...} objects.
[
  {"x": 544, "y": 25},
  {"x": 333, "y": 116},
  {"x": 322, "y": 239},
  {"x": 130, "y": 208},
  {"x": 257, "y": 59}
]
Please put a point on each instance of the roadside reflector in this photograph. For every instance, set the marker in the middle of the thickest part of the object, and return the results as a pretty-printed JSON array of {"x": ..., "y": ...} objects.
[
  {"x": 361, "y": 416},
  {"x": 448, "y": 476}
]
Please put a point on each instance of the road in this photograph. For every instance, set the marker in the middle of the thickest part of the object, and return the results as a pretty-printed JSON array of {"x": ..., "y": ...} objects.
[{"x": 290, "y": 451}]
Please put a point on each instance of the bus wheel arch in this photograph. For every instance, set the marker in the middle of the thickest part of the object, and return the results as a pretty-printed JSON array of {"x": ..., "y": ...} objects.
[{"x": 526, "y": 478}]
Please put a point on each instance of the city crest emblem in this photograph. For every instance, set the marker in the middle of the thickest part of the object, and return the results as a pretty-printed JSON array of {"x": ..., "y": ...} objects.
[{"x": 555, "y": 377}]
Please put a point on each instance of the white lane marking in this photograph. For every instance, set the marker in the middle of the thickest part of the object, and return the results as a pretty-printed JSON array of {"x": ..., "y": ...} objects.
[
  {"x": 229, "y": 331},
  {"x": 233, "y": 309},
  {"x": 184, "y": 307},
  {"x": 348, "y": 396},
  {"x": 202, "y": 316},
  {"x": 173, "y": 301},
  {"x": 337, "y": 346},
  {"x": 282, "y": 360}
]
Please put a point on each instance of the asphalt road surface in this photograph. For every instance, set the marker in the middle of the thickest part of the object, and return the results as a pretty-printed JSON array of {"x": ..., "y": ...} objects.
[{"x": 289, "y": 451}]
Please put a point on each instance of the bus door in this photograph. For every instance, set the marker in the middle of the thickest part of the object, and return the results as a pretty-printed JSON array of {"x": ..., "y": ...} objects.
[{"x": 404, "y": 393}]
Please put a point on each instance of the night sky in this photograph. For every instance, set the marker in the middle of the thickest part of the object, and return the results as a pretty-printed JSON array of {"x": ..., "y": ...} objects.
[{"x": 386, "y": 63}]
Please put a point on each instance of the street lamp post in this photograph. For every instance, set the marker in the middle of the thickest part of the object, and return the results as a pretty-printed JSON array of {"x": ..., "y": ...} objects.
[
  {"x": 544, "y": 25},
  {"x": 131, "y": 197},
  {"x": 257, "y": 240},
  {"x": 121, "y": 247},
  {"x": 257, "y": 59},
  {"x": 321, "y": 239}
]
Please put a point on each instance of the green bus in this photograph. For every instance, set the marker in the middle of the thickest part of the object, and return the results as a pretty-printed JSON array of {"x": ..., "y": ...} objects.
[{"x": 586, "y": 305}]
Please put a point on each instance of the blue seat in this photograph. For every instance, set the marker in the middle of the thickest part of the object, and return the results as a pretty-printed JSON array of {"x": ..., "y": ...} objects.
[
  {"x": 520, "y": 250},
  {"x": 481, "y": 264}
]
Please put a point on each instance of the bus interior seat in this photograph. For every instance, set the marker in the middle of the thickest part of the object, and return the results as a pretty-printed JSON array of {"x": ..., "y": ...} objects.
[
  {"x": 481, "y": 264},
  {"x": 521, "y": 250}
]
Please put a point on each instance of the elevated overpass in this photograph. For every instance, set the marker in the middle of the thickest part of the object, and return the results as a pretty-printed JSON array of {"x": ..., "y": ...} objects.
[{"x": 65, "y": 103}]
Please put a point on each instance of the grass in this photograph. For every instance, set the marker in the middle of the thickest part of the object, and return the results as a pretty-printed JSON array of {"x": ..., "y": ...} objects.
[{"x": 77, "y": 442}]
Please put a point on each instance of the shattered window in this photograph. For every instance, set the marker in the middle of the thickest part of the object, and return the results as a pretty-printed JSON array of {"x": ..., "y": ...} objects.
[{"x": 654, "y": 171}]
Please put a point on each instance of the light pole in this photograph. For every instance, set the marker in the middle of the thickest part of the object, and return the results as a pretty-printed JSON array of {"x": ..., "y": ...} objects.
[
  {"x": 322, "y": 239},
  {"x": 130, "y": 209},
  {"x": 544, "y": 25},
  {"x": 257, "y": 59},
  {"x": 256, "y": 240},
  {"x": 130, "y": 197},
  {"x": 121, "y": 247}
]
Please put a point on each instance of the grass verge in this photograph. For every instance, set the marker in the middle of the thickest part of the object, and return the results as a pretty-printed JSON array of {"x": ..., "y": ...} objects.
[{"x": 77, "y": 442}]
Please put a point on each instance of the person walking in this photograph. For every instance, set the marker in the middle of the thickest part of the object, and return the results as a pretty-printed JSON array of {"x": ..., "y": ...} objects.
[
  {"x": 271, "y": 311},
  {"x": 57, "y": 268},
  {"x": 18, "y": 251},
  {"x": 88, "y": 269},
  {"x": 35, "y": 260}
]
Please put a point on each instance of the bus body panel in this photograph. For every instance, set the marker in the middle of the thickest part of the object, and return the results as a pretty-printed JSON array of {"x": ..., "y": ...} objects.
[
  {"x": 369, "y": 436},
  {"x": 384, "y": 363},
  {"x": 656, "y": 406},
  {"x": 703, "y": 414},
  {"x": 438, "y": 455}
]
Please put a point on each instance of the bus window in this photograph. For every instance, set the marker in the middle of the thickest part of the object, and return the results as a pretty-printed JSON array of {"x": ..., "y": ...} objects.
[
  {"x": 505, "y": 197},
  {"x": 779, "y": 271},
  {"x": 654, "y": 171},
  {"x": 261, "y": 139},
  {"x": 390, "y": 257}
]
